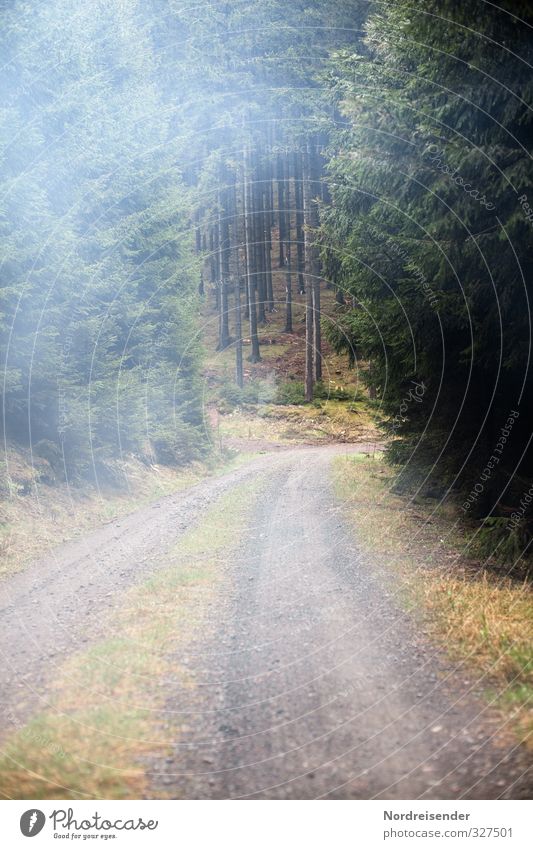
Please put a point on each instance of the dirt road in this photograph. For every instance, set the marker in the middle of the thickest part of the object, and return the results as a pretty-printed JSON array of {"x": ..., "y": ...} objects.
[
  {"x": 312, "y": 682},
  {"x": 316, "y": 683}
]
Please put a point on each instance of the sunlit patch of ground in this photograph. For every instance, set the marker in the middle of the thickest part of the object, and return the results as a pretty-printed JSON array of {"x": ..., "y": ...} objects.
[
  {"x": 318, "y": 423},
  {"x": 475, "y": 614},
  {"x": 270, "y": 409}
]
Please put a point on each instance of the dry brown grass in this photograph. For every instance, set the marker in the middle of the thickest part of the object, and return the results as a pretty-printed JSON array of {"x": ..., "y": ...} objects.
[
  {"x": 477, "y": 616},
  {"x": 47, "y": 516},
  {"x": 489, "y": 621},
  {"x": 322, "y": 422},
  {"x": 107, "y": 708}
]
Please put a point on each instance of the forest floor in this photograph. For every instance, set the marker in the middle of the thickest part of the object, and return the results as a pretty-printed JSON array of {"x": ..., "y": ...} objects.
[{"x": 283, "y": 627}]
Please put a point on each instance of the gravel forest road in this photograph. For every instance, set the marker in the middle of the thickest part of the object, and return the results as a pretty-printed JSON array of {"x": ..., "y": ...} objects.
[
  {"x": 316, "y": 684},
  {"x": 312, "y": 681},
  {"x": 64, "y": 600}
]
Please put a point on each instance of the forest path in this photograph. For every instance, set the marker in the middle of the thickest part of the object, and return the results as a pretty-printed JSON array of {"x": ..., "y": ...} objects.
[
  {"x": 310, "y": 679},
  {"x": 315, "y": 683},
  {"x": 64, "y": 601}
]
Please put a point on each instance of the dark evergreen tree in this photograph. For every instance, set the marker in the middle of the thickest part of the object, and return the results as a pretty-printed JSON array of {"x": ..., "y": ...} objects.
[{"x": 428, "y": 184}]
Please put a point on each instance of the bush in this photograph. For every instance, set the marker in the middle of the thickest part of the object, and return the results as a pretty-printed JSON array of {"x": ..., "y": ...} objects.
[
  {"x": 499, "y": 543},
  {"x": 290, "y": 392},
  {"x": 179, "y": 445},
  {"x": 252, "y": 393},
  {"x": 333, "y": 392}
]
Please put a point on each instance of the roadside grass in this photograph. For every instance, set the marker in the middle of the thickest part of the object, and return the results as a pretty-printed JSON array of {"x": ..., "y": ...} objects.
[
  {"x": 46, "y": 516},
  {"x": 473, "y": 613},
  {"x": 107, "y": 705}
]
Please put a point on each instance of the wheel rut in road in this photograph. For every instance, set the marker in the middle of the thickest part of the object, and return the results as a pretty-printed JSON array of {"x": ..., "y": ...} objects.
[
  {"x": 315, "y": 683},
  {"x": 64, "y": 601}
]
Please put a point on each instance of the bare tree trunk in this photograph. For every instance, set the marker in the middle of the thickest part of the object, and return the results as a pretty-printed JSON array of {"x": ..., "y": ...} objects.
[
  {"x": 246, "y": 248},
  {"x": 212, "y": 257},
  {"x": 213, "y": 248},
  {"x": 309, "y": 323},
  {"x": 259, "y": 241},
  {"x": 288, "y": 271},
  {"x": 234, "y": 211},
  {"x": 197, "y": 233},
  {"x": 298, "y": 203},
  {"x": 249, "y": 232},
  {"x": 239, "y": 373},
  {"x": 267, "y": 198},
  {"x": 317, "y": 330},
  {"x": 198, "y": 245},
  {"x": 315, "y": 258},
  {"x": 311, "y": 191},
  {"x": 280, "y": 179},
  {"x": 224, "y": 252}
]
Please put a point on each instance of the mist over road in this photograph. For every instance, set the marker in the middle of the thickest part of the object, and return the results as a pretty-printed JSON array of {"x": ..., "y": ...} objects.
[
  {"x": 312, "y": 680},
  {"x": 317, "y": 683}
]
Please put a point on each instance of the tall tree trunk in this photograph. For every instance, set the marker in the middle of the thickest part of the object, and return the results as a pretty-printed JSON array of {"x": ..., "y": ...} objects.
[
  {"x": 309, "y": 322},
  {"x": 224, "y": 254},
  {"x": 239, "y": 374},
  {"x": 315, "y": 257},
  {"x": 267, "y": 219},
  {"x": 280, "y": 179},
  {"x": 339, "y": 296},
  {"x": 198, "y": 241},
  {"x": 245, "y": 246},
  {"x": 249, "y": 234},
  {"x": 216, "y": 262},
  {"x": 317, "y": 331},
  {"x": 212, "y": 258},
  {"x": 197, "y": 232},
  {"x": 288, "y": 267},
  {"x": 299, "y": 204},
  {"x": 259, "y": 242}
]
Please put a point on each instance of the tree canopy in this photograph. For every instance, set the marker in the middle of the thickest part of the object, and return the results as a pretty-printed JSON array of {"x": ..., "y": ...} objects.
[{"x": 151, "y": 150}]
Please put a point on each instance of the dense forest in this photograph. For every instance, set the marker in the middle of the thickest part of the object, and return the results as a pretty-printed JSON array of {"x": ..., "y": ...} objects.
[{"x": 156, "y": 155}]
